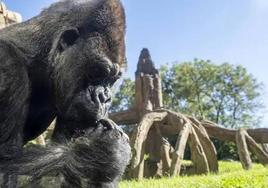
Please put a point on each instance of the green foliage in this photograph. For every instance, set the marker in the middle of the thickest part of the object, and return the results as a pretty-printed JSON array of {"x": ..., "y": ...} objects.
[
  {"x": 125, "y": 97},
  {"x": 225, "y": 94},
  {"x": 231, "y": 175}
]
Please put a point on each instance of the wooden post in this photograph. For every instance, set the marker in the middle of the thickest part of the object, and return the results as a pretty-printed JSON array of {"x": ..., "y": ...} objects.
[
  {"x": 138, "y": 140},
  {"x": 178, "y": 154},
  {"x": 207, "y": 144},
  {"x": 153, "y": 149},
  {"x": 257, "y": 150},
  {"x": 198, "y": 155},
  {"x": 242, "y": 147},
  {"x": 147, "y": 93},
  {"x": 166, "y": 150},
  {"x": 157, "y": 92}
]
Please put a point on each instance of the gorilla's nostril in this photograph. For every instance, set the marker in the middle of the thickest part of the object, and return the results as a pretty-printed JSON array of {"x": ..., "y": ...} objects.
[{"x": 102, "y": 98}]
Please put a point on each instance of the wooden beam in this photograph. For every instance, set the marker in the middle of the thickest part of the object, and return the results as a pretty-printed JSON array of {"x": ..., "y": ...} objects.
[{"x": 125, "y": 117}]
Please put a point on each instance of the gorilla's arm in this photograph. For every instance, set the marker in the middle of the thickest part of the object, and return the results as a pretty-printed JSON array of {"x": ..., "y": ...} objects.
[{"x": 14, "y": 93}]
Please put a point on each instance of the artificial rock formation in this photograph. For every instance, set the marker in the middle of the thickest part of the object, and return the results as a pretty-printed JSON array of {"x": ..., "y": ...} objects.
[
  {"x": 8, "y": 17},
  {"x": 152, "y": 154}
]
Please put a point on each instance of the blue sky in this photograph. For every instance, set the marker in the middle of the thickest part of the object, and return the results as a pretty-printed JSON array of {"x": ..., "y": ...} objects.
[{"x": 180, "y": 30}]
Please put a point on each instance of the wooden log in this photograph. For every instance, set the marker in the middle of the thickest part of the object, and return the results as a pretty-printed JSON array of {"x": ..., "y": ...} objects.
[
  {"x": 198, "y": 155},
  {"x": 259, "y": 135},
  {"x": 174, "y": 123},
  {"x": 178, "y": 154},
  {"x": 257, "y": 150},
  {"x": 242, "y": 147},
  {"x": 218, "y": 132},
  {"x": 127, "y": 117},
  {"x": 138, "y": 139},
  {"x": 265, "y": 147},
  {"x": 207, "y": 145}
]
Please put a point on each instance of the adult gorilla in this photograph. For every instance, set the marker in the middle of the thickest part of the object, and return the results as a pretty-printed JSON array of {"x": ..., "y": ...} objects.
[{"x": 61, "y": 64}]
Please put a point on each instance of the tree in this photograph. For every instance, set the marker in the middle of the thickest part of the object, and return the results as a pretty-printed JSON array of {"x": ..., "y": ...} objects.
[{"x": 225, "y": 94}]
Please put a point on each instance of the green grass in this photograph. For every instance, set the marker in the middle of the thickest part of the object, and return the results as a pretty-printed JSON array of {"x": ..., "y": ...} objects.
[{"x": 231, "y": 175}]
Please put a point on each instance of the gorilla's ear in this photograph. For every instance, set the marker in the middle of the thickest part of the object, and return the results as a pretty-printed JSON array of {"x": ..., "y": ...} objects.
[{"x": 67, "y": 38}]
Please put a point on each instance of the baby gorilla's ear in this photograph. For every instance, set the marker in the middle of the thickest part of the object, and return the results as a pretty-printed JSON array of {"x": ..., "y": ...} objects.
[{"x": 68, "y": 38}]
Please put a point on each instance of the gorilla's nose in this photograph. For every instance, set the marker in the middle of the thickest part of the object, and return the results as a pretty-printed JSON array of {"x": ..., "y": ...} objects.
[
  {"x": 99, "y": 94},
  {"x": 105, "y": 96}
]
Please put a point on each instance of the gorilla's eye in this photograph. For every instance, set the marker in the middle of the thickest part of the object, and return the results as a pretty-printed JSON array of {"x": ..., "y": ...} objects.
[
  {"x": 105, "y": 73},
  {"x": 68, "y": 38}
]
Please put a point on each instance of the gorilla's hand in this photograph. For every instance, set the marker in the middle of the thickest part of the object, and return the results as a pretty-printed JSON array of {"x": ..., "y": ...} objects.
[
  {"x": 99, "y": 154},
  {"x": 110, "y": 125},
  {"x": 109, "y": 148}
]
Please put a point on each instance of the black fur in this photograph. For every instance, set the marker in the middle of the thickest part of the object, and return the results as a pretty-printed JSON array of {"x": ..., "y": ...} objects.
[
  {"x": 61, "y": 64},
  {"x": 99, "y": 155}
]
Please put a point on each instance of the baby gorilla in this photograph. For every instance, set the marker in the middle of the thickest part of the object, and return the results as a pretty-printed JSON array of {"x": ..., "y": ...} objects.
[{"x": 99, "y": 155}]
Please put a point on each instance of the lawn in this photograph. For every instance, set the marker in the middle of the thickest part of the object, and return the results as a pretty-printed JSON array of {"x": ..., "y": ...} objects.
[{"x": 231, "y": 175}]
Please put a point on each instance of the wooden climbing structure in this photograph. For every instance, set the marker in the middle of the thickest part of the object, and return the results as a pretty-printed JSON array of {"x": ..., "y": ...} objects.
[{"x": 154, "y": 156}]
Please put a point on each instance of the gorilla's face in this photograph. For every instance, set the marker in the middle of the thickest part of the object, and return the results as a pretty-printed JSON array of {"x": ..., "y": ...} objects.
[{"x": 87, "y": 63}]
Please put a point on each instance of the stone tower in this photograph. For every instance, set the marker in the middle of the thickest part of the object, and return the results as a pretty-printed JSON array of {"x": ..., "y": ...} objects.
[
  {"x": 148, "y": 92},
  {"x": 148, "y": 84},
  {"x": 8, "y": 17}
]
